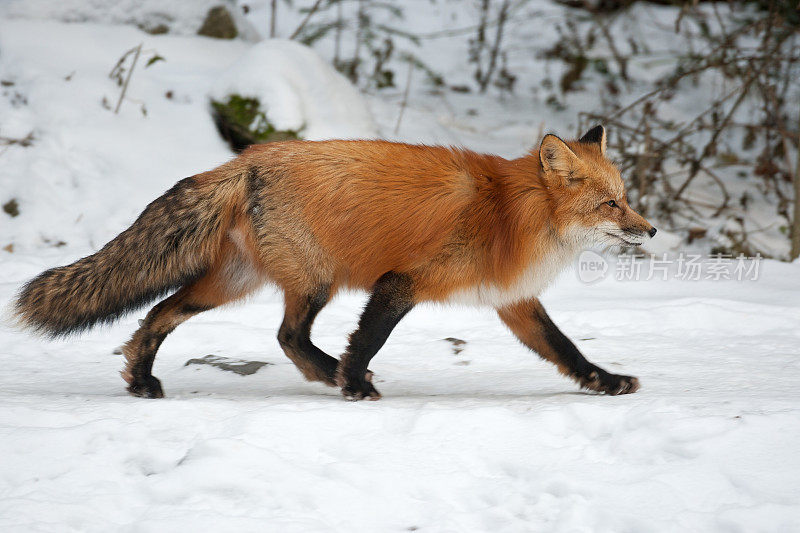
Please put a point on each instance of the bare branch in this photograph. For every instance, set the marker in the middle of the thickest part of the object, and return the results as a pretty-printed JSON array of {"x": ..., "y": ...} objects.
[{"x": 302, "y": 25}]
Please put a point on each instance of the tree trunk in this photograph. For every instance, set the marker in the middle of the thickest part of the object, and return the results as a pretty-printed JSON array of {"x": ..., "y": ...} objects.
[
  {"x": 273, "y": 18},
  {"x": 796, "y": 215}
]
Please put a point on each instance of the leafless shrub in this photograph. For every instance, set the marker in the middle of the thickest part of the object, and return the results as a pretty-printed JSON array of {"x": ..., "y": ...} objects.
[
  {"x": 485, "y": 51},
  {"x": 749, "y": 52}
]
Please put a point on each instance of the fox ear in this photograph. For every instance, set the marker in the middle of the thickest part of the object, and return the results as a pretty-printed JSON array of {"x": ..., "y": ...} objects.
[
  {"x": 596, "y": 135},
  {"x": 556, "y": 157}
]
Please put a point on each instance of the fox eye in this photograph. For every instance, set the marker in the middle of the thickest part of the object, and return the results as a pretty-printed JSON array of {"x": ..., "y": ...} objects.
[{"x": 612, "y": 203}]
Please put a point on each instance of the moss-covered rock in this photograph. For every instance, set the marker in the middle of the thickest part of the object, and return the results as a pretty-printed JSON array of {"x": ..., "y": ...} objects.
[
  {"x": 219, "y": 24},
  {"x": 11, "y": 208},
  {"x": 241, "y": 121}
]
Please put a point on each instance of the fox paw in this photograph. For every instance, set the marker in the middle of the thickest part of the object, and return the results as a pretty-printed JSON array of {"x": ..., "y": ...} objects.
[
  {"x": 146, "y": 387},
  {"x": 354, "y": 389},
  {"x": 612, "y": 384}
]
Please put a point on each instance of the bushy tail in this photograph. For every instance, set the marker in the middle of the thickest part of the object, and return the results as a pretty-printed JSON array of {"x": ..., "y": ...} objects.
[{"x": 173, "y": 242}]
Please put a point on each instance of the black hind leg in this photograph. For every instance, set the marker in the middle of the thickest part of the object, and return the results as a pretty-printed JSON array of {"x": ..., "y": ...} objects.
[
  {"x": 206, "y": 293},
  {"x": 294, "y": 335},
  {"x": 140, "y": 351}
]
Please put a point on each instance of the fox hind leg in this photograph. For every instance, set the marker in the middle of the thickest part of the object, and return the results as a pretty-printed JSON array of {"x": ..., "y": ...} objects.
[
  {"x": 226, "y": 282},
  {"x": 140, "y": 351},
  {"x": 294, "y": 335}
]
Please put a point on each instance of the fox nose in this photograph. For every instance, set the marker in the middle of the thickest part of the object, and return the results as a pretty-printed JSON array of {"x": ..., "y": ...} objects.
[{"x": 652, "y": 232}]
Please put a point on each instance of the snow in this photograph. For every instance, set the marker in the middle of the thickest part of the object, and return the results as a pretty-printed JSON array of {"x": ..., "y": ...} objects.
[
  {"x": 299, "y": 90},
  {"x": 91, "y": 164},
  {"x": 86, "y": 163},
  {"x": 490, "y": 438},
  {"x": 181, "y": 18}
]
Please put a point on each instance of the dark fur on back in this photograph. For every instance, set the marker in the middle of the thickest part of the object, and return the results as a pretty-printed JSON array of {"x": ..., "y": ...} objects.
[{"x": 168, "y": 246}]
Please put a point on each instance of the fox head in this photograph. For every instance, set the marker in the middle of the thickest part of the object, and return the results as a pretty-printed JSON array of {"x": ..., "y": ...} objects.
[{"x": 588, "y": 198}]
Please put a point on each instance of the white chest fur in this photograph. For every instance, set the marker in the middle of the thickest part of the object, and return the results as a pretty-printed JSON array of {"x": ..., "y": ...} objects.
[{"x": 530, "y": 283}]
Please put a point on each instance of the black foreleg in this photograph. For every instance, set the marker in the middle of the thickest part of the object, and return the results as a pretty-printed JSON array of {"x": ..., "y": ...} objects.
[{"x": 391, "y": 298}]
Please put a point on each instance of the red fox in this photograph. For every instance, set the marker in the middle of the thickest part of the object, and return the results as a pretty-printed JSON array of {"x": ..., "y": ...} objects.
[{"x": 408, "y": 223}]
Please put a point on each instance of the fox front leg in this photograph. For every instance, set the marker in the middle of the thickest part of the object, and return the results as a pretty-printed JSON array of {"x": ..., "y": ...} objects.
[
  {"x": 533, "y": 327},
  {"x": 391, "y": 299}
]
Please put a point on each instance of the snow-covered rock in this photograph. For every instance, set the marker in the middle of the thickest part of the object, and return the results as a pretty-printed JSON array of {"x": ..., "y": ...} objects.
[{"x": 298, "y": 90}]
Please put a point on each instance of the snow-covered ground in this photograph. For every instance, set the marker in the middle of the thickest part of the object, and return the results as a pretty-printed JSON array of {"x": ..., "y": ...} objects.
[{"x": 489, "y": 438}]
